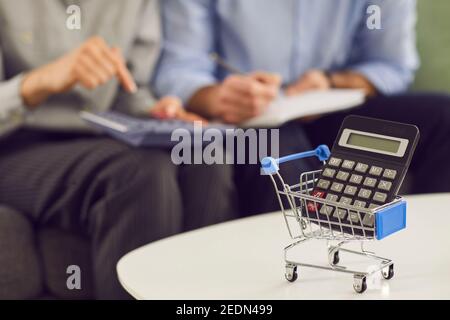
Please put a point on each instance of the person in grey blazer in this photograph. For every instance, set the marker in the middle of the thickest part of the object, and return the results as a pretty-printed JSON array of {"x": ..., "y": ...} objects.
[{"x": 55, "y": 170}]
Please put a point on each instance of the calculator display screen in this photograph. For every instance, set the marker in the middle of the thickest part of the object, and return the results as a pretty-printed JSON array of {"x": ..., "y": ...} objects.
[{"x": 374, "y": 143}]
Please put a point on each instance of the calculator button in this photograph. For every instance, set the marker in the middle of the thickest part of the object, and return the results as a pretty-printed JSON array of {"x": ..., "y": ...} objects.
[
  {"x": 373, "y": 206},
  {"x": 390, "y": 174},
  {"x": 362, "y": 167},
  {"x": 360, "y": 204},
  {"x": 310, "y": 204},
  {"x": 323, "y": 184},
  {"x": 348, "y": 164},
  {"x": 345, "y": 201},
  {"x": 329, "y": 173},
  {"x": 354, "y": 217},
  {"x": 380, "y": 197},
  {"x": 318, "y": 194},
  {"x": 370, "y": 182},
  {"x": 311, "y": 207},
  {"x": 350, "y": 190},
  {"x": 340, "y": 214},
  {"x": 369, "y": 220},
  {"x": 385, "y": 185},
  {"x": 327, "y": 210},
  {"x": 343, "y": 176},
  {"x": 335, "y": 162},
  {"x": 376, "y": 171},
  {"x": 337, "y": 187},
  {"x": 365, "y": 194},
  {"x": 332, "y": 197},
  {"x": 356, "y": 179}
]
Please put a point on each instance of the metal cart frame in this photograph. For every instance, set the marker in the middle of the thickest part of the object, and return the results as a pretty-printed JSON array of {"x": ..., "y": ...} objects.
[{"x": 305, "y": 224}]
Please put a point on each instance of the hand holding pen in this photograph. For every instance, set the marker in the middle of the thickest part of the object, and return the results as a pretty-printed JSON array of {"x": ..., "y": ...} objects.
[{"x": 239, "y": 97}]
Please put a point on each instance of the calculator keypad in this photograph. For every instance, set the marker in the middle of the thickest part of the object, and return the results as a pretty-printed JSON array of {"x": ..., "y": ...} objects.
[{"x": 353, "y": 183}]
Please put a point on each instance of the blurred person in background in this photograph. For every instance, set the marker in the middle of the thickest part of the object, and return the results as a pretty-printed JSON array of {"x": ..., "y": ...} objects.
[
  {"x": 294, "y": 46},
  {"x": 55, "y": 170}
]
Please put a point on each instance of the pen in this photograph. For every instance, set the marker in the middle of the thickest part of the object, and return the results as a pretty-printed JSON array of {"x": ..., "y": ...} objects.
[{"x": 217, "y": 59}]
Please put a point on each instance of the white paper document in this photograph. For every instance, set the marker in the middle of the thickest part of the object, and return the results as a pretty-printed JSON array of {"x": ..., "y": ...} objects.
[{"x": 285, "y": 109}]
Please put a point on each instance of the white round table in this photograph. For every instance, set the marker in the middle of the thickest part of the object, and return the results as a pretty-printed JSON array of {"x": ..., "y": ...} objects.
[{"x": 243, "y": 259}]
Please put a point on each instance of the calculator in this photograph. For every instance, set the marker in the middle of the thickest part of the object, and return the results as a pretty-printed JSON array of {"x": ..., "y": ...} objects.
[{"x": 369, "y": 161}]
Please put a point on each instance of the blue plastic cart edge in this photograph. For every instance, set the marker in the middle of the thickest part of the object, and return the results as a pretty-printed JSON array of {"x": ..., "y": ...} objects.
[
  {"x": 271, "y": 166},
  {"x": 391, "y": 220}
]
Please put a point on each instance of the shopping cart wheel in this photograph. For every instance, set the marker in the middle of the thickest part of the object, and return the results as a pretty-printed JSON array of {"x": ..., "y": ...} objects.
[
  {"x": 291, "y": 273},
  {"x": 303, "y": 223},
  {"x": 360, "y": 283},
  {"x": 389, "y": 274},
  {"x": 336, "y": 258}
]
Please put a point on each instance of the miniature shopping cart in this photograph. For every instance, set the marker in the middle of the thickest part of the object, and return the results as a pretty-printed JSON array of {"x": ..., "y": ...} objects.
[{"x": 304, "y": 225}]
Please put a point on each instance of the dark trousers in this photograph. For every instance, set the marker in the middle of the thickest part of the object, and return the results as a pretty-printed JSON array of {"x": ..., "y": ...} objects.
[
  {"x": 118, "y": 196},
  {"x": 430, "y": 167}
]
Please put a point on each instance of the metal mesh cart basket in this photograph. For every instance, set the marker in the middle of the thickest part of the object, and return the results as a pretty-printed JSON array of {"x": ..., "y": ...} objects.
[{"x": 304, "y": 222}]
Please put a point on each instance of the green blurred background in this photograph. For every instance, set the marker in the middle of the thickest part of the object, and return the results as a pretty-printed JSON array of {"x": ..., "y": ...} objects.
[{"x": 433, "y": 36}]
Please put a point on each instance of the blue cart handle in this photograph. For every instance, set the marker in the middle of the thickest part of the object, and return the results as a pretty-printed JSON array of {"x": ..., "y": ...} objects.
[{"x": 271, "y": 166}]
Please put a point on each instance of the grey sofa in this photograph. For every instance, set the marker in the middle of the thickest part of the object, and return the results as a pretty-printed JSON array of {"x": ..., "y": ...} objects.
[{"x": 33, "y": 262}]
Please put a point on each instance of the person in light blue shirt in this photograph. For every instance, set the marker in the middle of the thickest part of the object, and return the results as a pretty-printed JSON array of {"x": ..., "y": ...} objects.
[
  {"x": 293, "y": 46},
  {"x": 288, "y": 38}
]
